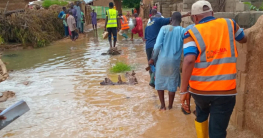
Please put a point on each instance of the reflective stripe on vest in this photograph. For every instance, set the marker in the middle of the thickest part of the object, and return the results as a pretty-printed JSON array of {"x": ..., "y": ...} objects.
[
  {"x": 124, "y": 23},
  {"x": 215, "y": 70},
  {"x": 112, "y": 18}
]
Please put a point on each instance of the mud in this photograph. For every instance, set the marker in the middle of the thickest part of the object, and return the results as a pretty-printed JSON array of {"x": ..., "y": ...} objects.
[
  {"x": 6, "y": 95},
  {"x": 254, "y": 85}
]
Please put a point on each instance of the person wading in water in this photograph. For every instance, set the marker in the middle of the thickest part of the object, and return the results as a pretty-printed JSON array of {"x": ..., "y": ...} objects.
[{"x": 111, "y": 24}]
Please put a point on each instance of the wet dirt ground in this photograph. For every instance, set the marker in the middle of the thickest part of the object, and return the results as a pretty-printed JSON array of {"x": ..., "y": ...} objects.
[{"x": 66, "y": 100}]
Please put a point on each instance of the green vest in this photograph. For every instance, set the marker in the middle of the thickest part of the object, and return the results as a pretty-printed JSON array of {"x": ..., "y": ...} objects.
[{"x": 112, "y": 18}]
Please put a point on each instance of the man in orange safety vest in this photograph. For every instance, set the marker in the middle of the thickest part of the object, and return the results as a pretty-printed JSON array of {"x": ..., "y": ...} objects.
[
  {"x": 209, "y": 67},
  {"x": 124, "y": 26}
]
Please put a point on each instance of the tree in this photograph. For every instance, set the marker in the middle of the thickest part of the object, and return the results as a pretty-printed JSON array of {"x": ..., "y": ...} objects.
[
  {"x": 131, "y": 3},
  {"x": 118, "y": 5}
]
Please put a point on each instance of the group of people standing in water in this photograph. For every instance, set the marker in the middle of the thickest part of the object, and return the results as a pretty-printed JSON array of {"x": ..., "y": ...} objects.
[{"x": 208, "y": 68}]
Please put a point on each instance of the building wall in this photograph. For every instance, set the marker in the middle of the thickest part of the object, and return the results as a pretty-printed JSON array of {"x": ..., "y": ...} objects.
[
  {"x": 14, "y": 4},
  {"x": 104, "y": 3}
]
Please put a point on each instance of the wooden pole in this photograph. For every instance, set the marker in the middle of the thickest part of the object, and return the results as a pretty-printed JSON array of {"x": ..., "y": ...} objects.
[{"x": 6, "y": 6}]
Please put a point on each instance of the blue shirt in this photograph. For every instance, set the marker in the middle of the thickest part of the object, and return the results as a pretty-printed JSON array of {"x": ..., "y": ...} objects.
[
  {"x": 190, "y": 47},
  {"x": 189, "y": 27},
  {"x": 152, "y": 30},
  {"x": 61, "y": 14}
]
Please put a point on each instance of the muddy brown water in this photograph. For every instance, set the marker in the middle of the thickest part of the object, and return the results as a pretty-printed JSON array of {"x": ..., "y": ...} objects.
[{"x": 67, "y": 101}]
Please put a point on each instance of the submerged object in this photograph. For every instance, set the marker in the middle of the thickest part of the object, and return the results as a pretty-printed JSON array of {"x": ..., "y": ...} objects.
[{"x": 132, "y": 80}]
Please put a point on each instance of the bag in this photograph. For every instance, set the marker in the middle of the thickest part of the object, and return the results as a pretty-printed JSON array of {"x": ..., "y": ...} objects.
[
  {"x": 105, "y": 35},
  {"x": 131, "y": 24}
]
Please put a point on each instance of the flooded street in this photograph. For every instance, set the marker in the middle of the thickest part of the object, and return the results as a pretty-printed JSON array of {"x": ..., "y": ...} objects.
[{"x": 67, "y": 101}]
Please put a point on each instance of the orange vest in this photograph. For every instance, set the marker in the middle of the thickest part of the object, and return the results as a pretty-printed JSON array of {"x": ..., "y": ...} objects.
[
  {"x": 124, "y": 23},
  {"x": 215, "y": 66}
]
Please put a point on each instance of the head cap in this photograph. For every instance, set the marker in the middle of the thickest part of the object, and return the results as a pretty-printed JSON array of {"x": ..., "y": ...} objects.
[
  {"x": 154, "y": 7},
  {"x": 197, "y": 7}
]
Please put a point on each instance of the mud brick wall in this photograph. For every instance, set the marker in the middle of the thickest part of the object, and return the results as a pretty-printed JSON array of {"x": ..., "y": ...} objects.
[
  {"x": 230, "y": 5},
  {"x": 104, "y": 3},
  {"x": 166, "y": 6},
  {"x": 14, "y": 4}
]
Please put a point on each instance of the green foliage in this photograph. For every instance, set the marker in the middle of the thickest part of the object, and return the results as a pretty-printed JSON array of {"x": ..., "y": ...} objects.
[
  {"x": 252, "y": 7},
  {"x": 131, "y": 3},
  {"x": 48, "y": 3},
  {"x": 120, "y": 67},
  {"x": 1, "y": 40}
]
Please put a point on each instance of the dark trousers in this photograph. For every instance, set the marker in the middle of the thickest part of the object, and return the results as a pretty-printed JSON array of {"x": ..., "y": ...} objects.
[
  {"x": 112, "y": 31},
  {"x": 82, "y": 28},
  {"x": 74, "y": 34},
  {"x": 149, "y": 52},
  {"x": 66, "y": 30},
  {"x": 220, "y": 109}
]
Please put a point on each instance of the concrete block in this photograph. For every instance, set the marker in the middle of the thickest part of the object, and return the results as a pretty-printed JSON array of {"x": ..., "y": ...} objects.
[
  {"x": 230, "y": 15},
  {"x": 180, "y": 7},
  {"x": 189, "y": 1},
  {"x": 245, "y": 19},
  {"x": 185, "y": 6},
  {"x": 240, "y": 7}
]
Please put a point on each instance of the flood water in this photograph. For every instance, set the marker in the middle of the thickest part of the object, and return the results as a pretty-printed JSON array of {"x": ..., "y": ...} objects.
[{"x": 67, "y": 101}]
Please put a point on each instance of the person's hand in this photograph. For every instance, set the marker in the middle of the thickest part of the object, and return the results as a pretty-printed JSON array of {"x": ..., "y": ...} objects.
[
  {"x": 2, "y": 117},
  {"x": 151, "y": 62},
  {"x": 185, "y": 102},
  {"x": 188, "y": 14},
  {"x": 144, "y": 40}
]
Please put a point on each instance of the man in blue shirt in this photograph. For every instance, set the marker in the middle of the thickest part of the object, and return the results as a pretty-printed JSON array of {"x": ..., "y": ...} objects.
[
  {"x": 151, "y": 33},
  {"x": 60, "y": 15}
]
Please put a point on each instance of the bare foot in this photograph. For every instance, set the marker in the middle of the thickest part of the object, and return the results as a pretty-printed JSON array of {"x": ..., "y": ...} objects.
[
  {"x": 170, "y": 107},
  {"x": 162, "y": 108},
  {"x": 131, "y": 39}
]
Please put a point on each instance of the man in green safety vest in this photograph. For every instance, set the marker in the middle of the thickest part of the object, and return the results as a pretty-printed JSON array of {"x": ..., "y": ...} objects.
[{"x": 112, "y": 23}]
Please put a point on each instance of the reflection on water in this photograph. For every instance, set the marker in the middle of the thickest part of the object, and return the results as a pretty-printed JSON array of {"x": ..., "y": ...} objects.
[{"x": 67, "y": 101}]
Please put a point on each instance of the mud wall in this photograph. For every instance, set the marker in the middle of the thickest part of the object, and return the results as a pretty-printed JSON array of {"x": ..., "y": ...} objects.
[
  {"x": 104, "y": 3},
  {"x": 249, "y": 109},
  {"x": 14, "y": 4}
]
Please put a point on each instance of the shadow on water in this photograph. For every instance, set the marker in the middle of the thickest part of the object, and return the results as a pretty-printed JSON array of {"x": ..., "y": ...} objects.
[{"x": 67, "y": 101}]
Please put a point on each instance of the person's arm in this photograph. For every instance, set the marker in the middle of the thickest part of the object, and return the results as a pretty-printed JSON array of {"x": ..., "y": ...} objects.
[
  {"x": 239, "y": 33},
  {"x": 145, "y": 34},
  {"x": 165, "y": 21},
  {"x": 106, "y": 21},
  {"x": 118, "y": 23},
  {"x": 190, "y": 54},
  {"x": 157, "y": 47},
  {"x": 186, "y": 15},
  {"x": 2, "y": 117},
  {"x": 134, "y": 21},
  {"x": 60, "y": 15},
  {"x": 74, "y": 24}
]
